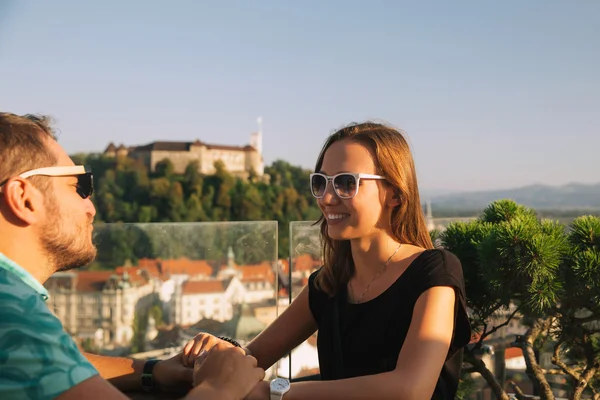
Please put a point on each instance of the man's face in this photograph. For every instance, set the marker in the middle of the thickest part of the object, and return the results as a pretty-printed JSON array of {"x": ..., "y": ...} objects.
[{"x": 66, "y": 233}]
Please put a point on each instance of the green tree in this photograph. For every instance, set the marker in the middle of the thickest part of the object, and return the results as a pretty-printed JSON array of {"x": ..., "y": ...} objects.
[
  {"x": 140, "y": 327},
  {"x": 192, "y": 180},
  {"x": 164, "y": 169},
  {"x": 156, "y": 313},
  {"x": 545, "y": 272}
]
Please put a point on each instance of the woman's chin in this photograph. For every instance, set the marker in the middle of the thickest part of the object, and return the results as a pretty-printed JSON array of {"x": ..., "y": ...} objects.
[{"x": 338, "y": 234}]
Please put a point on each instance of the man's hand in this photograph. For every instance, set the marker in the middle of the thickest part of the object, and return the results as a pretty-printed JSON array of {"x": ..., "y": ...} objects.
[
  {"x": 225, "y": 370},
  {"x": 201, "y": 342},
  {"x": 172, "y": 375}
]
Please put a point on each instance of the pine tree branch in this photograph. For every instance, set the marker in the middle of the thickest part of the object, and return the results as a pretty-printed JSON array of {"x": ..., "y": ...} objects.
[
  {"x": 534, "y": 371},
  {"x": 480, "y": 367},
  {"x": 555, "y": 371},
  {"x": 502, "y": 325},
  {"x": 583, "y": 320},
  {"x": 483, "y": 335},
  {"x": 590, "y": 369},
  {"x": 518, "y": 392},
  {"x": 561, "y": 364}
]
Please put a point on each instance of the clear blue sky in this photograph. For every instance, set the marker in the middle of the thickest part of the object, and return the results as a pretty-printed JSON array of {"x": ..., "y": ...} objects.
[{"x": 492, "y": 94}]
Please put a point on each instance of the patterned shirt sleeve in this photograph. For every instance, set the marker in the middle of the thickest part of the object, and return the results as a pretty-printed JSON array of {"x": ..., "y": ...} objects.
[{"x": 38, "y": 359}]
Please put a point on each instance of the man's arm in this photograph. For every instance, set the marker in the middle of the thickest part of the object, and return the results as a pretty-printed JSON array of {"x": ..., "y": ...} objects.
[
  {"x": 225, "y": 373},
  {"x": 126, "y": 373},
  {"x": 94, "y": 388}
]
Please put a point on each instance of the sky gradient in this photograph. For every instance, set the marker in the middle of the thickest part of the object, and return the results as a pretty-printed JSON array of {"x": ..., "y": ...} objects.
[{"x": 490, "y": 94}]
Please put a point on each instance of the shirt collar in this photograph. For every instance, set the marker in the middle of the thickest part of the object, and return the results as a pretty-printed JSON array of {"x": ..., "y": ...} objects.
[{"x": 9, "y": 265}]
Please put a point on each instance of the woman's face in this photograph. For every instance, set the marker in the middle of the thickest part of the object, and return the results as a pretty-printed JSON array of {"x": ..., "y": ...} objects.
[{"x": 364, "y": 214}]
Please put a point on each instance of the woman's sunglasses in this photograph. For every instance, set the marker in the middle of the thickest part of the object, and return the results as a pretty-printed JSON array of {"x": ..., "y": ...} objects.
[
  {"x": 85, "y": 179},
  {"x": 345, "y": 184}
]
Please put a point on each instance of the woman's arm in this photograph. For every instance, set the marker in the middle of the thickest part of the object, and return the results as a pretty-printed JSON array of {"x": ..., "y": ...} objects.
[
  {"x": 290, "y": 329},
  {"x": 419, "y": 363}
]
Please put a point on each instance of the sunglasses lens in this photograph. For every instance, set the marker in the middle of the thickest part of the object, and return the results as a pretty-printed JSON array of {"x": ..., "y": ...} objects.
[
  {"x": 85, "y": 185},
  {"x": 345, "y": 185},
  {"x": 318, "y": 184}
]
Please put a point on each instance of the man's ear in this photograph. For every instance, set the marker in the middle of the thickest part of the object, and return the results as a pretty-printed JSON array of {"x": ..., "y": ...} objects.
[{"x": 23, "y": 200}]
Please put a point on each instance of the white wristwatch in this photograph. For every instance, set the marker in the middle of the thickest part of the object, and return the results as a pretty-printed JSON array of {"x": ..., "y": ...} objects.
[{"x": 279, "y": 386}]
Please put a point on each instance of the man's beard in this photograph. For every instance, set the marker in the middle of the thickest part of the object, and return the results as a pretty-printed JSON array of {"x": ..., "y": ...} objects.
[{"x": 67, "y": 245}]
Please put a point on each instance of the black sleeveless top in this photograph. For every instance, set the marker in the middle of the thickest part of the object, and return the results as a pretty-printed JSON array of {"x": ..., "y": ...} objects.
[{"x": 366, "y": 338}]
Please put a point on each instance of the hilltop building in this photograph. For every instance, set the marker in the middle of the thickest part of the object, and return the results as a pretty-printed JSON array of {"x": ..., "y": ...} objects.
[{"x": 239, "y": 160}]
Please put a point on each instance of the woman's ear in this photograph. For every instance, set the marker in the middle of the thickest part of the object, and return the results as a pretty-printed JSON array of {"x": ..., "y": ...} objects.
[{"x": 394, "y": 197}]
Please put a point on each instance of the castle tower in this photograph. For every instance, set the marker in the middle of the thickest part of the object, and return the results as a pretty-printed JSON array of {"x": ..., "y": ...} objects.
[
  {"x": 429, "y": 217},
  {"x": 256, "y": 137}
]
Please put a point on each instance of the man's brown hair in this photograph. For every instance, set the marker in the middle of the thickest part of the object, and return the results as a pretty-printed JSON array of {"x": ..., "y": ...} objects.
[{"x": 23, "y": 145}]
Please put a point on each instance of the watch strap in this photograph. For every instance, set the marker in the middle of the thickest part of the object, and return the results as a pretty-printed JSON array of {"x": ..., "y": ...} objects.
[{"x": 148, "y": 383}]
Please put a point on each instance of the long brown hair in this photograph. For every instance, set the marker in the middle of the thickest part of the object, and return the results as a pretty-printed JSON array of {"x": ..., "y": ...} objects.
[{"x": 393, "y": 160}]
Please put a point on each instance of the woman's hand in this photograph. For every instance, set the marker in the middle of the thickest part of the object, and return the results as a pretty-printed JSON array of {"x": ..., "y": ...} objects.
[
  {"x": 202, "y": 341},
  {"x": 262, "y": 391}
]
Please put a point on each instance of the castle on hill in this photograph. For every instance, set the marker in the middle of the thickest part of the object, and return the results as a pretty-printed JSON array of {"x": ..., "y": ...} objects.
[{"x": 239, "y": 160}]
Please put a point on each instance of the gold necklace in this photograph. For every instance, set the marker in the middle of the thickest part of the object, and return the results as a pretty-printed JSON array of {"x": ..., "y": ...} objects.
[{"x": 374, "y": 278}]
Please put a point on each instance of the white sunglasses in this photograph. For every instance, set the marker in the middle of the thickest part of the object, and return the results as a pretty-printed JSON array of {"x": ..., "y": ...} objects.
[
  {"x": 85, "y": 179},
  {"x": 345, "y": 184}
]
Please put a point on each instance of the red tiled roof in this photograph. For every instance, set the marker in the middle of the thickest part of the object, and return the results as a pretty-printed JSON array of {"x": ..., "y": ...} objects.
[
  {"x": 284, "y": 264},
  {"x": 305, "y": 262},
  {"x": 152, "y": 271},
  {"x": 199, "y": 287},
  {"x": 184, "y": 266},
  {"x": 180, "y": 266},
  {"x": 257, "y": 272},
  {"x": 92, "y": 281},
  {"x": 513, "y": 352}
]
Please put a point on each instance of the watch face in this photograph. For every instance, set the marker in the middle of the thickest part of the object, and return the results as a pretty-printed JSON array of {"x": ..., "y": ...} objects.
[{"x": 279, "y": 384}]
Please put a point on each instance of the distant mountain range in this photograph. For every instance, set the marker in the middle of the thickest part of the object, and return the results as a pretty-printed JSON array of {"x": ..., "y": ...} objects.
[{"x": 571, "y": 196}]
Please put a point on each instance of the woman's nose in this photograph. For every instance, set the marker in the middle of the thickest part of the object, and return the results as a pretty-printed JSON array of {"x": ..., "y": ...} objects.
[{"x": 330, "y": 197}]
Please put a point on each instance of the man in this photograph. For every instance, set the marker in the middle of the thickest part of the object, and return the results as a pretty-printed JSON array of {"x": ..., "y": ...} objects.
[{"x": 46, "y": 218}]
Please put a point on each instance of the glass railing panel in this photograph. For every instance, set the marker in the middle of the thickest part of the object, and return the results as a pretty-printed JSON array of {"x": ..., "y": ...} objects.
[
  {"x": 154, "y": 286},
  {"x": 305, "y": 258}
]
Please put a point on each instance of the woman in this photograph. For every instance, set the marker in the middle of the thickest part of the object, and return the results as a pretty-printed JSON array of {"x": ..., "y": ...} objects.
[{"x": 390, "y": 309}]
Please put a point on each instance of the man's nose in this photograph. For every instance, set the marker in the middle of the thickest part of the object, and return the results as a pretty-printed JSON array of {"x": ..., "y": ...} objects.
[{"x": 89, "y": 207}]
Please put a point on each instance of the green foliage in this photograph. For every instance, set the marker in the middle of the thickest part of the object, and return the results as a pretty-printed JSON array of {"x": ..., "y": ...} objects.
[
  {"x": 127, "y": 192},
  {"x": 549, "y": 271},
  {"x": 88, "y": 345},
  {"x": 156, "y": 313},
  {"x": 466, "y": 387},
  {"x": 140, "y": 326}
]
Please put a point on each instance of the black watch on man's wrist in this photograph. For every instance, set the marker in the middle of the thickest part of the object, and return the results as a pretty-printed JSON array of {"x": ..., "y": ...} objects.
[{"x": 148, "y": 383}]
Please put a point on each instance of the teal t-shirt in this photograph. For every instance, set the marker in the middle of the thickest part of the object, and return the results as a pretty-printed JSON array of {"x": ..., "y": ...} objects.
[{"x": 38, "y": 359}]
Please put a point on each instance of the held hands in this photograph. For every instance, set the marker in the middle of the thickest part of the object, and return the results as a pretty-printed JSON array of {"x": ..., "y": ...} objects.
[
  {"x": 227, "y": 372},
  {"x": 201, "y": 342},
  {"x": 172, "y": 374}
]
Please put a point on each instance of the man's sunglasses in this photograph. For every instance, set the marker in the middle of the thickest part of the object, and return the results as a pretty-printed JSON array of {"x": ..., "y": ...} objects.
[
  {"x": 345, "y": 184},
  {"x": 85, "y": 179}
]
